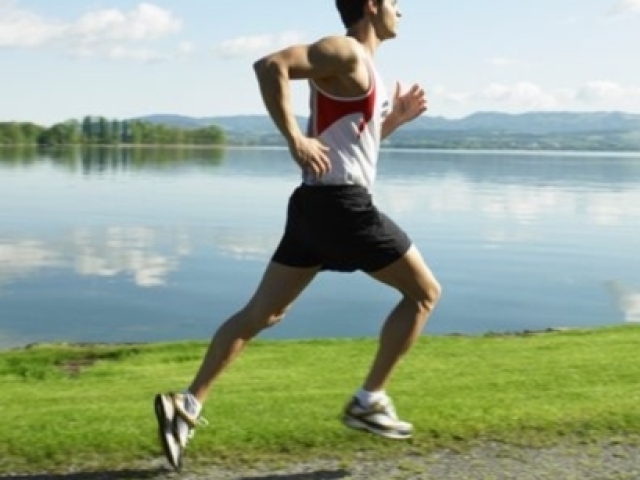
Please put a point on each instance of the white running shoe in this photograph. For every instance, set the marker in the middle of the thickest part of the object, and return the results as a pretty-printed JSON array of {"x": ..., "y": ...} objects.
[
  {"x": 165, "y": 414},
  {"x": 379, "y": 418},
  {"x": 187, "y": 418},
  {"x": 177, "y": 418}
]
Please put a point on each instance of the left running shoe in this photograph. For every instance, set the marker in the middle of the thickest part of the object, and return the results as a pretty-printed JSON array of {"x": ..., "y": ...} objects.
[{"x": 177, "y": 417}]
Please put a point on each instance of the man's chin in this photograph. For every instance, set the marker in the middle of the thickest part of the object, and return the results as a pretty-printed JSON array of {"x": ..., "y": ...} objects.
[{"x": 389, "y": 35}]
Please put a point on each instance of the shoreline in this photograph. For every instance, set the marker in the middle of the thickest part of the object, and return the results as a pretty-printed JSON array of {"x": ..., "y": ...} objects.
[
  {"x": 486, "y": 334},
  {"x": 388, "y": 148}
]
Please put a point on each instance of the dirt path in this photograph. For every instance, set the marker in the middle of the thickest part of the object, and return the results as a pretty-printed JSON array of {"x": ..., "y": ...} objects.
[{"x": 489, "y": 461}]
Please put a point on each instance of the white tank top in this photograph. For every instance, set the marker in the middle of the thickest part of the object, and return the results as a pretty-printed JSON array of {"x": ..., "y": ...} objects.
[{"x": 351, "y": 128}]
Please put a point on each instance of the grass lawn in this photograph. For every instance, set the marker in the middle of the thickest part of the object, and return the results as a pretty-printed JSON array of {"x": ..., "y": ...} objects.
[{"x": 93, "y": 404}]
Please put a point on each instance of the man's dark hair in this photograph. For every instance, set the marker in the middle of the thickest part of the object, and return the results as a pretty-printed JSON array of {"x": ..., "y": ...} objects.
[{"x": 351, "y": 11}]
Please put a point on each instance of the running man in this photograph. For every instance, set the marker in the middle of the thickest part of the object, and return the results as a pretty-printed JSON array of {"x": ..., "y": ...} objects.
[{"x": 332, "y": 223}]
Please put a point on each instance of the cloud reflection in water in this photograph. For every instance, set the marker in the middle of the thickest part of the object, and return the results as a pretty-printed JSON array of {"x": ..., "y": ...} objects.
[{"x": 627, "y": 299}]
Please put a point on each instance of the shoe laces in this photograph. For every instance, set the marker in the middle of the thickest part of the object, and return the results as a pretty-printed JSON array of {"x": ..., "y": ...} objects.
[
  {"x": 389, "y": 408},
  {"x": 199, "y": 422},
  {"x": 190, "y": 416}
]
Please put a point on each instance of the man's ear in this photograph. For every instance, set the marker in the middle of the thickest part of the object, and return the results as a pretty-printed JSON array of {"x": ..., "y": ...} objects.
[{"x": 371, "y": 7}]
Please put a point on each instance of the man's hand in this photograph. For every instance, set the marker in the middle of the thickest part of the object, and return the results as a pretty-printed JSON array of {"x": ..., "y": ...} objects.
[
  {"x": 409, "y": 105},
  {"x": 311, "y": 155}
]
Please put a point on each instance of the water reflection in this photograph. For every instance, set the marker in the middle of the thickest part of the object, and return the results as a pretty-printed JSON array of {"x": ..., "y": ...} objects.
[
  {"x": 604, "y": 204},
  {"x": 627, "y": 299},
  {"x": 579, "y": 170},
  {"x": 136, "y": 252},
  {"x": 24, "y": 258},
  {"x": 19, "y": 155},
  {"x": 247, "y": 246},
  {"x": 100, "y": 159},
  {"x": 144, "y": 256},
  {"x": 140, "y": 240},
  {"x": 10, "y": 340}
]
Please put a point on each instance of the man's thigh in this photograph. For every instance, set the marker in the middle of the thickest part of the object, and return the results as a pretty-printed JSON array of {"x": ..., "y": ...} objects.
[
  {"x": 279, "y": 287},
  {"x": 411, "y": 276}
]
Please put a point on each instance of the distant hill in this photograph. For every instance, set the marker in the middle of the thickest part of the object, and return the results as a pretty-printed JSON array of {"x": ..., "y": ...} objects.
[
  {"x": 233, "y": 123},
  {"x": 483, "y": 130},
  {"x": 529, "y": 123},
  {"x": 534, "y": 122},
  {"x": 179, "y": 121}
]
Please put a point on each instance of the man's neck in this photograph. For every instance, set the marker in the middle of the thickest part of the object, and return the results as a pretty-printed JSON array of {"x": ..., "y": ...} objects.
[{"x": 366, "y": 36}]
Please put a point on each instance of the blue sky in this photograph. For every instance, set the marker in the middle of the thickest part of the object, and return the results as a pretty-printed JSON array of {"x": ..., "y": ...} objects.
[{"x": 67, "y": 58}]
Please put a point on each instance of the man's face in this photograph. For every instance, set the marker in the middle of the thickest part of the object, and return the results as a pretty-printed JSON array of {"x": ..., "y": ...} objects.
[{"x": 385, "y": 17}]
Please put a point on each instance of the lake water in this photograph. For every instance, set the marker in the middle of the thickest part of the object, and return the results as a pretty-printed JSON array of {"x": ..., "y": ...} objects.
[{"x": 143, "y": 245}]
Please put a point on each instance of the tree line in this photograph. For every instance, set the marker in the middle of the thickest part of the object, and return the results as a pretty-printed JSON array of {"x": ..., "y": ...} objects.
[{"x": 102, "y": 131}]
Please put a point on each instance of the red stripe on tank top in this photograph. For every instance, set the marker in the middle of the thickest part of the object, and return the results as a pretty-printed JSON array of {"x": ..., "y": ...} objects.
[{"x": 329, "y": 110}]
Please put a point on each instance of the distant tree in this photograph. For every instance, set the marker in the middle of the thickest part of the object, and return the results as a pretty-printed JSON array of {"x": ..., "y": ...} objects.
[
  {"x": 125, "y": 131},
  {"x": 87, "y": 129},
  {"x": 104, "y": 132},
  {"x": 31, "y": 132},
  {"x": 52, "y": 136},
  {"x": 116, "y": 131},
  {"x": 11, "y": 133},
  {"x": 72, "y": 132},
  {"x": 99, "y": 130},
  {"x": 137, "y": 133},
  {"x": 211, "y": 135}
]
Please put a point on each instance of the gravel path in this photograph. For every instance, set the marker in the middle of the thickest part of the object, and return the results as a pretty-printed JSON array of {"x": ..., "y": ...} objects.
[{"x": 489, "y": 461}]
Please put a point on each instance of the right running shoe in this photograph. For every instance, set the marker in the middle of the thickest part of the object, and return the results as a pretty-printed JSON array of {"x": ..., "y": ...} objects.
[{"x": 379, "y": 418}]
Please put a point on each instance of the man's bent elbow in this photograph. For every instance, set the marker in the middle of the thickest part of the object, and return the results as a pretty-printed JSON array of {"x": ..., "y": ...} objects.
[
  {"x": 266, "y": 66},
  {"x": 260, "y": 65}
]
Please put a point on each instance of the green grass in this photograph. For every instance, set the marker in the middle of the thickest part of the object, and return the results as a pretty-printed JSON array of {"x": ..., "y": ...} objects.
[{"x": 93, "y": 404}]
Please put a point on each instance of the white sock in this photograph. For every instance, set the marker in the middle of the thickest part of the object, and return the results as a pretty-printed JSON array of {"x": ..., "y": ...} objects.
[
  {"x": 368, "y": 398},
  {"x": 192, "y": 404}
]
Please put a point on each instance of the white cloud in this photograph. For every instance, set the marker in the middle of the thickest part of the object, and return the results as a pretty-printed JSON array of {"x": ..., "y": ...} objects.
[
  {"x": 624, "y": 7},
  {"x": 253, "y": 45},
  {"x": 522, "y": 94},
  {"x": 145, "y": 22},
  {"x": 515, "y": 97},
  {"x": 21, "y": 28},
  {"x": 107, "y": 33},
  {"x": 607, "y": 91},
  {"x": 441, "y": 93}
]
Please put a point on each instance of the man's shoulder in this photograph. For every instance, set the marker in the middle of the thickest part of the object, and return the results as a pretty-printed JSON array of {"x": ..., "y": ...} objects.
[
  {"x": 340, "y": 40},
  {"x": 340, "y": 44}
]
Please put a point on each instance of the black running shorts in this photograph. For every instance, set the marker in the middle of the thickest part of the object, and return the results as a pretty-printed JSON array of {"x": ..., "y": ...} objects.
[{"x": 338, "y": 228}]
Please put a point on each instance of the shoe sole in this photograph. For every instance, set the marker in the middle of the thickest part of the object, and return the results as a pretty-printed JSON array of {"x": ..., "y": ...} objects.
[
  {"x": 161, "y": 416},
  {"x": 356, "y": 424}
]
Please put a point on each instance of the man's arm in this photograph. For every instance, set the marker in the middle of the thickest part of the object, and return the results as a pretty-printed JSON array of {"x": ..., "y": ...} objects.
[
  {"x": 331, "y": 56},
  {"x": 406, "y": 107},
  {"x": 390, "y": 125}
]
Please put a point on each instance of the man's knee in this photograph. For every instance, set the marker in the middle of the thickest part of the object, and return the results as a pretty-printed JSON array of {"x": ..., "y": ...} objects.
[
  {"x": 430, "y": 295},
  {"x": 260, "y": 317}
]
